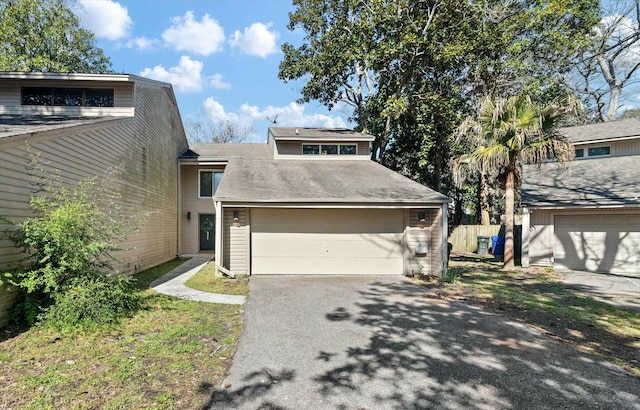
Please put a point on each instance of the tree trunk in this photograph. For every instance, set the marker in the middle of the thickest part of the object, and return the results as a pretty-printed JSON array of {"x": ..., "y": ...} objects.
[
  {"x": 483, "y": 200},
  {"x": 509, "y": 260}
]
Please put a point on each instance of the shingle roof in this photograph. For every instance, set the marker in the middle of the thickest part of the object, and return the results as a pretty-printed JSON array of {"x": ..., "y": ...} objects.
[
  {"x": 11, "y": 125},
  {"x": 583, "y": 183},
  {"x": 604, "y": 131},
  {"x": 228, "y": 151},
  {"x": 300, "y": 133},
  {"x": 319, "y": 181}
]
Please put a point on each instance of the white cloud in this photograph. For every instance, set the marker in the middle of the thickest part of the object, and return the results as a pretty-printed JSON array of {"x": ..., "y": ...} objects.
[
  {"x": 202, "y": 37},
  {"x": 185, "y": 77},
  {"x": 256, "y": 40},
  {"x": 105, "y": 18},
  {"x": 216, "y": 81},
  {"x": 142, "y": 43},
  {"x": 291, "y": 115}
]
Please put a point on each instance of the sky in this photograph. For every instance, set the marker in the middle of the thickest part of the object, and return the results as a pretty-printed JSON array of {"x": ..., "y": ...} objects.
[{"x": 221, "y": 56}]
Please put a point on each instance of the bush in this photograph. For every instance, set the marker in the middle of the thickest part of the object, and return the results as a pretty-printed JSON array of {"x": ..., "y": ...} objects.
[
  {"x": 91, "y": 302},
  {"x": 67, "y": 275}
]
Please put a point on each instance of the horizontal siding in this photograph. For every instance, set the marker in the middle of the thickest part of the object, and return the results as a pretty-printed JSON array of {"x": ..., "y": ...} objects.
[
  {"x": 10, "y": 91},
  {"x": 428, "y": 232},
  {"x": 236, "y": 241},
  {"x": 145, "y": 149},
  {"x": 191, "y": 203}
]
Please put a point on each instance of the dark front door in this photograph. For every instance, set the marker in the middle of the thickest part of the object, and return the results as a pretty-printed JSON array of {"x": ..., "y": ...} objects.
[{"x": 207, "y": 232}]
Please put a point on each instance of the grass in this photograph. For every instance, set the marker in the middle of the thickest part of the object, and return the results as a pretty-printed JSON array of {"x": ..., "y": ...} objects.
[
  {"x": 207, "y": 281},
  {"x": 169, "y": 355},
  {"x": 539, "y": 298}
]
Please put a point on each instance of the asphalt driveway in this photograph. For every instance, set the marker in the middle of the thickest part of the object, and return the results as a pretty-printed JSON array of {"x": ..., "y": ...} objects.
[
  {"x": 618, "y": 290},
  {"x": 383, "y": 343}
]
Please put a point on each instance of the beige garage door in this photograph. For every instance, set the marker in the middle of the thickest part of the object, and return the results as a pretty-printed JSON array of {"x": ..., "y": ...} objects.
[
  {"x": 598, "y": 243},
  {"x": 326, "y": 241}
]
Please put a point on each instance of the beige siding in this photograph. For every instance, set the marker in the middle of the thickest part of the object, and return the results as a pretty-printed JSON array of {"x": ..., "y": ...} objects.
[
  {"x": 541, "y": 237},
  {"x": 327, "y": 241},
  {"x": 10, "y": 94},
  {"x": 293, "y": 150},
  {"x": 145, "y": 149},
  {"x": 628, "y": 147},
  {"x": 196, "y": 206},
  {"x": 236, "y": 241},
  {"x": 429, "y": 233}
]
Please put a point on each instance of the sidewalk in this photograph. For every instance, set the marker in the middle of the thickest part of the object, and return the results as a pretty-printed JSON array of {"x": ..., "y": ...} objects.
[{"x": 172, "y": 284}]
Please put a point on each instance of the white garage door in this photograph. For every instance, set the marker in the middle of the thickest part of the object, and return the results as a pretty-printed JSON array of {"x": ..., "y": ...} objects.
[
  {"x": 326, "y": 241},
  {"x": 598, "y": 243}
]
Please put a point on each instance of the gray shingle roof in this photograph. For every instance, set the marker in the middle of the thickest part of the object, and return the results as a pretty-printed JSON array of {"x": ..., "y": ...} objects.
[
  {"x": 228, "y": 151},
  {"x": 604, "y": 131},
  {"x": 318, "y": 134},
  {"x": 329, "y": 181},
  {"x": 11, "y": 125},
  {"x": 585, "y": 183}
]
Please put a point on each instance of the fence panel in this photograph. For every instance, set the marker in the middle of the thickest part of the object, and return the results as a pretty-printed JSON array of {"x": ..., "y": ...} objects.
[{"x": 464, "y": 238}]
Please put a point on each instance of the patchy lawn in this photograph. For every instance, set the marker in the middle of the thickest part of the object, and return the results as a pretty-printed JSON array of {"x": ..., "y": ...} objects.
[
  {"x": 538, "y": 298},
  {"x": 207, "y": 281},
  {"x": 171, "y": 354}
]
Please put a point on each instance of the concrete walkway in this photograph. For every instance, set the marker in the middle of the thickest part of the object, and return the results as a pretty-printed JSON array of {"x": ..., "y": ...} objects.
[{"x": 172, "y": 284}]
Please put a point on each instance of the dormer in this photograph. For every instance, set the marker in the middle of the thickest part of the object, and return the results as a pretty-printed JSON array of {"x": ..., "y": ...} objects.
[
  {"x": 319, "y": 143},
  {"x": 67, "y": 94}
]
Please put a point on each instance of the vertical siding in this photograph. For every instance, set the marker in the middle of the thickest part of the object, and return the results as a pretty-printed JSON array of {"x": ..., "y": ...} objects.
[
  {"x": 628, "y": 147},
  {"x": 236, "y": 241},
  {"x": 146, "y": 150},
  {"x": 541, "y": 237},
  {"x": 191, "y": 203},
  {"x": 428, "y": 232}
]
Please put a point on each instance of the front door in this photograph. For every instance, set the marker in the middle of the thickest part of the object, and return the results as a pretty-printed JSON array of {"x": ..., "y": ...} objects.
[{"x": 207, "y": 232}]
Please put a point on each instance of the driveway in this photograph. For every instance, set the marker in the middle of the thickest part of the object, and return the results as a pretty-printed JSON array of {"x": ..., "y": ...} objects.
[
  {"x": 614, "y": 289},
  {"x": 383, "y": 343}
]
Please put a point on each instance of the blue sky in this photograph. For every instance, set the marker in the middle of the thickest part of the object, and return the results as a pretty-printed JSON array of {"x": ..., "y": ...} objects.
[{"x": 221, "y": 56}]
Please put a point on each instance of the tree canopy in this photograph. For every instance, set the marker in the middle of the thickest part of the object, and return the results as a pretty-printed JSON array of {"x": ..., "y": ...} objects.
[
  {"x": 411, "y": 70},
  {"x": 44, "y": 36}
]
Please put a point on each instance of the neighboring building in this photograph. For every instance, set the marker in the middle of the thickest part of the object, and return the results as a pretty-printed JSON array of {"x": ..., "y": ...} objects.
[
  {"x": 309, "y": 201},
  {"x": 82, "y": 125},
  {"x": 586, "y": 216}
]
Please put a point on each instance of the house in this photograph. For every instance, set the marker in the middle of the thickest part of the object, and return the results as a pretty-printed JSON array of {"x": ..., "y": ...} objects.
[
  {"x": 82, "y": 125},
  {"x": 586, "y": 216},
  {"x": 309, "y": 201}
]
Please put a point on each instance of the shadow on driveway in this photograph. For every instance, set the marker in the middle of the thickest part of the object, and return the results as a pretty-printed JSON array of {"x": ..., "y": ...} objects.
[{"x": 384, "y": 343}]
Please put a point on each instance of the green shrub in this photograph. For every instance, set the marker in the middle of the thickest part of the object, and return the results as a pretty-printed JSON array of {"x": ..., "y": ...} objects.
[{"x": 90, "y": 302}]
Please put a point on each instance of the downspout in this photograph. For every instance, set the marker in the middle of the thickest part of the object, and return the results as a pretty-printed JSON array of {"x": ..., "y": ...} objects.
[
  {"x": 218, "y": 232},
  {"x": 179, "y": 213}
]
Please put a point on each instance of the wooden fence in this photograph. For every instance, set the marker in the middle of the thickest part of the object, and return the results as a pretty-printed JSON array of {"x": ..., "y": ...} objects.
[{"x": 464, "y": 238}]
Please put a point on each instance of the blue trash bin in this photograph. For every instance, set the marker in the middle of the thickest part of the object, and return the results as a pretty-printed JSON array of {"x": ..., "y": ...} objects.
[{"x": 498, "y": 245}]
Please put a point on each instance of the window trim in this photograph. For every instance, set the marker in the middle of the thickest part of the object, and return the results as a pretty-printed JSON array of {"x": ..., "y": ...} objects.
[
  {"x": 84, "y": 91},
  {"x": 319, "y": 145},
  {"x": 214, "y": 188},
  {"x": 585, "y": 152}
]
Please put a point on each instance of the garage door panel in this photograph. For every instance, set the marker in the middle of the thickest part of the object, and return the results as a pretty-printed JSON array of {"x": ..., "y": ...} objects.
[
  {"x": 321, "y": 244},
  {"x": 327, "y": 241},
  {"x": 598, "y": 243}
]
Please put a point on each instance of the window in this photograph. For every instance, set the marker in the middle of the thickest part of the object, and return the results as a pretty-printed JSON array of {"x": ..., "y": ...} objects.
[
  {"x": 209, "y": 181},
  {"x": 599, "y": 151},
  {"x": 329, "y": 149},
  {"x": 580, "y": 153},
  {"x": 68, "y": 97}
]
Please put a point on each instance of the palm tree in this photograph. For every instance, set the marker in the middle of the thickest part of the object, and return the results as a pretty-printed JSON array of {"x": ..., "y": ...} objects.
[{"x": 508, "y": 131}]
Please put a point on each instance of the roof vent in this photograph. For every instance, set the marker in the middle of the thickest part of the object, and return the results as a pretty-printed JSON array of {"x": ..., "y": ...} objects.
[{"x": 296, "y": 131}]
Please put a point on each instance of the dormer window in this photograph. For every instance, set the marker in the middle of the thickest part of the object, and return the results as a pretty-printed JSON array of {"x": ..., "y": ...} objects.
[
  {"x": 600, "y": 151},
  {"x": 329, "y": 149},
  {"x": 69, "y": 97}
]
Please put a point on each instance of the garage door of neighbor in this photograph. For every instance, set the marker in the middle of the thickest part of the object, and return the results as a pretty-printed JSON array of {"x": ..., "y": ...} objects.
[
  {"x": 326, "y": 241},
  {"x": 598, "y": 243}
]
